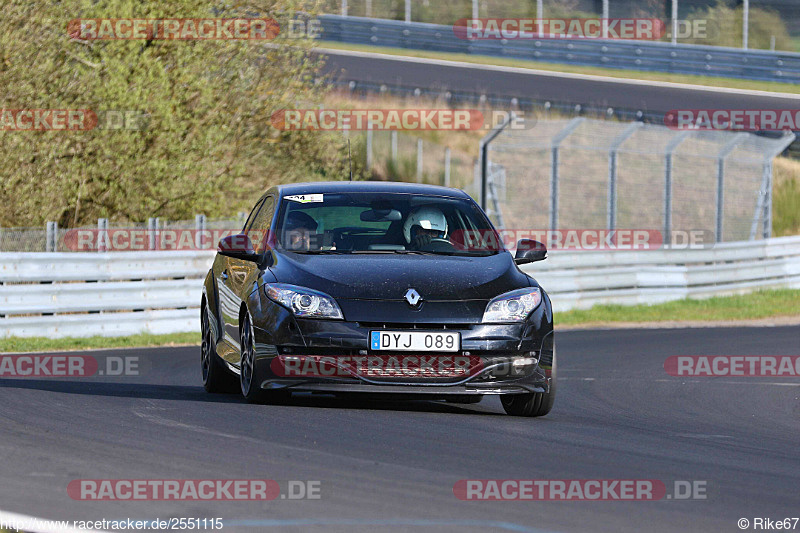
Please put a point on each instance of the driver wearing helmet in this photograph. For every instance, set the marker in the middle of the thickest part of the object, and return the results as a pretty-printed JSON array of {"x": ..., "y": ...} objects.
[
  {"x": 298, "y": 231},
  {"x": 424, "y": 226}
]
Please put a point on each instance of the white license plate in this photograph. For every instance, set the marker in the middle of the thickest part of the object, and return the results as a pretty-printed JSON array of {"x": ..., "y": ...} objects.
[{"x": 416, "y": 341}]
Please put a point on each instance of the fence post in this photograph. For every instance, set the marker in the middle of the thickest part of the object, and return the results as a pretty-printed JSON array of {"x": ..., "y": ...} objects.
[
  {"x": 612, "y": 171},
  {"x": 408, "y": 10},
  {"x": 102, "y": 235},
  {"x": 51, "y": 243},
  {"x": 200, "y": 228},
  {"x": 394, "y": 145},
  {"x": 344, "y": 8},
  {"x": 671, "y": 147},
  {"x": 369, "y": 149},
  {"x": 723, "y": 153},
  {"x": 419, "y": 160},
  {"x": 152, "y": 228},
  {"x": 767, "y": 228},
  {"x": 447, "y": 166},
  {"x": 556, "y": 142},
  {"x": 484, "y": 155},
  {"x": 540, "y": 16},
  {"x": 368, "y": 9},
  {"x": 674, "y": 22}
]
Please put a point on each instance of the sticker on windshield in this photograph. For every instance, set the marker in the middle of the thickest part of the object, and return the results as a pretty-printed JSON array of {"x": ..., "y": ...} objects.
[{"x": 305, "y": 198}]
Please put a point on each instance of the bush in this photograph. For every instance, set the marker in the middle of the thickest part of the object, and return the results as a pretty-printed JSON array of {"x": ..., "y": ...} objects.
[
  {"x": 208, "y": 146},
  {"x": 725, "y": 25}
]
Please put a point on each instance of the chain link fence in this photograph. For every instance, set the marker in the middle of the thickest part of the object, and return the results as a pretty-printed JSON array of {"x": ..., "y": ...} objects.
[
  {"x": 398, "y": 156},
  {"x": 155, "y": 234},
  {"x": 584, "y": 173}
]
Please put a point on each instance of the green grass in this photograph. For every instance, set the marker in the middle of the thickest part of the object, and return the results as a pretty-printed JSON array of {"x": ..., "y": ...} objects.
[
  {"x": 786, "y": 198},
  {"x": 761, "y": 304},
  {"x": 43, "y": 344},
  {"x": 574, "y": 69}
]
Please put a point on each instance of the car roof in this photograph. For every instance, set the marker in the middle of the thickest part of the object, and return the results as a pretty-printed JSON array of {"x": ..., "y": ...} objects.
[{"x": 322, "y": 187}]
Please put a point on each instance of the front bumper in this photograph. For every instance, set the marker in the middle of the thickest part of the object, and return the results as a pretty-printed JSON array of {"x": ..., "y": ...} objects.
[{"x": 494, "y": 346}]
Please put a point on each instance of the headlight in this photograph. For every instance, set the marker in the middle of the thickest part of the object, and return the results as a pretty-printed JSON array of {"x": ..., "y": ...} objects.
[
  {"x": 306, "y": 303},
  {"x": 514, "y": 306}
]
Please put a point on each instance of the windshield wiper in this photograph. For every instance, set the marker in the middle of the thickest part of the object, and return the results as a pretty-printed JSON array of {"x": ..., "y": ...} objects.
[{"x": 320, "y": 252}]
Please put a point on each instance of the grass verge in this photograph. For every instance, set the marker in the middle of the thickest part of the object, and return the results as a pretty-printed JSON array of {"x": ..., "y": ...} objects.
[
  {"x": 761, "y": 304},
  {"x": 709, "y": 81},
  {"x": 43, "y": 344}
]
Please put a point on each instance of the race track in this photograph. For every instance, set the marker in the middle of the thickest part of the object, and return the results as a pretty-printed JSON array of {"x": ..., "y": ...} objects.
[
  {"x": 392, "y": 466},
  {"x": 648, "y": 97}
]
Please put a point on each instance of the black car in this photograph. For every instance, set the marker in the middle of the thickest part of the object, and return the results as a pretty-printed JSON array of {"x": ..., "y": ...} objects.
[{"x": 383, "y": 288}]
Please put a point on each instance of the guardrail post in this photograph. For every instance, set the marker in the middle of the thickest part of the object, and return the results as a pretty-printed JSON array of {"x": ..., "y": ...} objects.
[
  {"x": 408, "y": 10},
  {"x": 368, "y": 9},
  {"x": 102, "y": 235},
  {"x": 51, "y": 242},
  {"x": 447, "y": 166},
  {"x": 419, "y": 160},
  {"x": 344, "y": 8}
]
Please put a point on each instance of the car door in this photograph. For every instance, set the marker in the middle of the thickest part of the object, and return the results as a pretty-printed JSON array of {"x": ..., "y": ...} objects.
[{"x": 238, "y": 277}]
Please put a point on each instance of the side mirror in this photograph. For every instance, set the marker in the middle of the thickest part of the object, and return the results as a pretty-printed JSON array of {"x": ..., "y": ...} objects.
[
  {"x": 239, "y": 247},
  {"x": 529, "y": 251}
]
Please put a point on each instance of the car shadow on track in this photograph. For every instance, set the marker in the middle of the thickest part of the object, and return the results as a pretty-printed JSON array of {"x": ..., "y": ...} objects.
[
  {"x": 120, "y": 390},
  {"x": 197, "y": 394}
]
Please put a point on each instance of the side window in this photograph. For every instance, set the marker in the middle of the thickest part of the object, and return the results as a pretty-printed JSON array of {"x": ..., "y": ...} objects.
[
  {"x": 258, "y": 231},
  {"x": 252, "y": 216}
]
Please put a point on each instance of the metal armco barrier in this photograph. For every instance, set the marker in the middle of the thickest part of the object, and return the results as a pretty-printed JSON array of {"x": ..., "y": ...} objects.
[
  {"x": 124, "y": 293},
  {"x": 632, "y": 55},
  {"x": 581, "y": 279}
]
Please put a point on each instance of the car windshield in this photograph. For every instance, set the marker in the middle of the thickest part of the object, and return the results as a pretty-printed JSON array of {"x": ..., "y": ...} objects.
[{"x": 379, "y": 223}]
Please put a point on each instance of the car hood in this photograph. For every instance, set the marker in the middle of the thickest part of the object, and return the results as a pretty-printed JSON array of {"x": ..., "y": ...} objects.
[{"x": 389, "y": 276}]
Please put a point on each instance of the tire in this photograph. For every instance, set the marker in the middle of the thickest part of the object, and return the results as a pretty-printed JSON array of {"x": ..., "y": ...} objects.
[
  {"x": 216, "y": 379},
  {"x": 533, "y": 404},
  {"x": 248, "y": 381}
]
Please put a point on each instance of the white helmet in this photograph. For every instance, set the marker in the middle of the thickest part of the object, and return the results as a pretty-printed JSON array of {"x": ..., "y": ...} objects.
[{"x": 429, "y": 218}]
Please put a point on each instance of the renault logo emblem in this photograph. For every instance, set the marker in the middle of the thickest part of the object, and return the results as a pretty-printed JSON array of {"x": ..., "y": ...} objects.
[{"x": 413, "y": 297}]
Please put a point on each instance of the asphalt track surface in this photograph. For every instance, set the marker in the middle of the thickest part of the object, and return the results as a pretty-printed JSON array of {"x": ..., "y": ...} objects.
[
  {"x": 648, "y": 97},
  {"x": 391, "y": 466}
]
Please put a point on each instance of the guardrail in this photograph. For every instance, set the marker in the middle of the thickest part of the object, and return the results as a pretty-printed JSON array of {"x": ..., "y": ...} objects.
[
  {"x": 632, "y": 55},
  {"x": 581, "y": 279},
  {"x": 108, "y": 294},
  {"x": 124, "y": 293}
]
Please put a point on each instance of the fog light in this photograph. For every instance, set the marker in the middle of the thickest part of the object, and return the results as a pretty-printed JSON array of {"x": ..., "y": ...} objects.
[{"x": 525, "y": 361}]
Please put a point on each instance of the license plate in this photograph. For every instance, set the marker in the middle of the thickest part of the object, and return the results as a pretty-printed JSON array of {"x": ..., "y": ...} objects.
[{"x": 415, "y": 341}]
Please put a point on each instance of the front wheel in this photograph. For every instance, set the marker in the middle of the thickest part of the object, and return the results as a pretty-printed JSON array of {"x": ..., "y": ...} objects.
[
  {"x": 535, "y": 403},
  {"x": 251, "y": 388}
]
